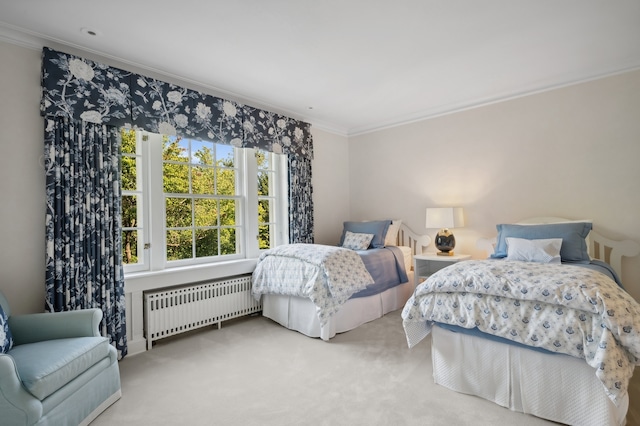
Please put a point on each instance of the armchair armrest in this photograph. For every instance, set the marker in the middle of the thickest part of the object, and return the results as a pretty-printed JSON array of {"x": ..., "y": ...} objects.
[
  {"x": 58, "y": 325},
  {"x": 15, "y": 402}
]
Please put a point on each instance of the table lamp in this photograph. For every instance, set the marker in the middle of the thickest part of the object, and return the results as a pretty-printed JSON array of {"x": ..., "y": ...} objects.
[{"x": 444, "y": 218}]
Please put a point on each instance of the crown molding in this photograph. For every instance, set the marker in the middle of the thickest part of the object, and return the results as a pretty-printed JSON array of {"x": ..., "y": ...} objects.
[{"x": 482, "y": 102}]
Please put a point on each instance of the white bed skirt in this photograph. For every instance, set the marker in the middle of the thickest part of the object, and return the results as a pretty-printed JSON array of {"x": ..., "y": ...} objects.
[
  {"x": 559, "y": 388},
  {"x": 299, "y": 314}
]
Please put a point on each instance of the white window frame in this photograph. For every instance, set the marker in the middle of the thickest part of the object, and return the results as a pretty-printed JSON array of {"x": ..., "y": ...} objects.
[
  {"x": 142, "y": 175},
  {"x": 281, "y": 188},
  {"x": 278, "y": 192},
  {"x": 152, "y": 212}
]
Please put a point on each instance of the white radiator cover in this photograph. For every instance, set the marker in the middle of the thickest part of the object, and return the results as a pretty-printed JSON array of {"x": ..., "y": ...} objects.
[{"x": 173, "y": 311}]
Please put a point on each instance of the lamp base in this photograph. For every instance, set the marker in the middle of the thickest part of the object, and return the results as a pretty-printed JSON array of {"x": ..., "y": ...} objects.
[{"x": 445, "y": 242}]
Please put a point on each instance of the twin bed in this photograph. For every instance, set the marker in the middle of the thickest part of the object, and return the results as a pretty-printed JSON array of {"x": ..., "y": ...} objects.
[
  {"x": 515, "y": 330},
  {"x": 301, "y": 314},
  {"x": 518, "y": 329}
]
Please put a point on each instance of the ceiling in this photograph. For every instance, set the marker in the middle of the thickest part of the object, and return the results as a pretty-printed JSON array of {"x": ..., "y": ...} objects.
[{"x": 347, "y": 66}]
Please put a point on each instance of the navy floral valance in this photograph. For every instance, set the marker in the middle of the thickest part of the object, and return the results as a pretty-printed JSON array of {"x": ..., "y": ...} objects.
[{"x": 81, "y": 89}]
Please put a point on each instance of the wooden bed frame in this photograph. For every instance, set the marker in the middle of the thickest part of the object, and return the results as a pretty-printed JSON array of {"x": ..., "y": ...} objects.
[
  {"x": 299, "y": 314},
  {"x": 528, "y": 381}
]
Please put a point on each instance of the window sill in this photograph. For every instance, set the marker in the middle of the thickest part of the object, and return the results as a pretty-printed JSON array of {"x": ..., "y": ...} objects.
[{"x": 151, "y": 280}]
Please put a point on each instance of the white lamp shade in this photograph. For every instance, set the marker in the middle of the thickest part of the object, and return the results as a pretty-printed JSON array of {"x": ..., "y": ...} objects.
[{"x": 444, "y": 217}]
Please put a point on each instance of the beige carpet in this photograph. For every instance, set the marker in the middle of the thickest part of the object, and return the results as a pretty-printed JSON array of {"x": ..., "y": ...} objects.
[{"x": 255, "y": 372}]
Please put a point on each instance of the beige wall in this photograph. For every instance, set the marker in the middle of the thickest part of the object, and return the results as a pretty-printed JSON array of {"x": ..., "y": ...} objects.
[
  {"x": 572, "y": 152},
  {"x": 22, "y": 207},
  {"x": 330, "y": 181}
]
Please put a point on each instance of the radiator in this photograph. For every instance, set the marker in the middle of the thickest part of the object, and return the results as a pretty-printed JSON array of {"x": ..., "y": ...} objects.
[{"x": 173, "y": 311}]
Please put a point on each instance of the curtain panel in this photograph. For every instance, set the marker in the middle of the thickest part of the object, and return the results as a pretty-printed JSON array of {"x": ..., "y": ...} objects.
[
  {"x": 300, "y": 196},
  {"x": 83, "y": 222}
]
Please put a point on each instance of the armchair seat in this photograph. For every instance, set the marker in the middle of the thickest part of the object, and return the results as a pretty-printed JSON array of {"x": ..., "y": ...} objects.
[
  {"x": 45, "y": 367},
  {"x": 60, "y": 371}
]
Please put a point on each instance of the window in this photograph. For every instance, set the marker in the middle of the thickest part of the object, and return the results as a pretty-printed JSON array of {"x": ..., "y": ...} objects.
[
  {"x": 201, "y": 185},
  {"x": 132, "y": 205},
  {"x": 272, "y": 191},
  {"x": 189, "y": 201}
]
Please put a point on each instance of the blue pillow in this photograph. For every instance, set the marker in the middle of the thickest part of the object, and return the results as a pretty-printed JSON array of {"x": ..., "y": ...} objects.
[
  {"x": 573, "y": 234},
  {"x": 6, "y": 339},
  {"x": 376, "y": 227}
]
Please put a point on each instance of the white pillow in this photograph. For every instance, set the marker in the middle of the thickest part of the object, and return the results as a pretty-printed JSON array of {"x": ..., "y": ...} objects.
[
  {"x": 391, "y": 239},
  {"x": 356, "y": 241},
  {"x": 543, "y": 250}
]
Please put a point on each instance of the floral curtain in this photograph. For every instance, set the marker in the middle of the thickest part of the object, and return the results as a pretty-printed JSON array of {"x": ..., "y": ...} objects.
[
  {"x": 86, "y": 90},
  {"x": 90, "y": 91},
  {"x": 83, "y": 222},
  {"x": 300, "y": 196}
]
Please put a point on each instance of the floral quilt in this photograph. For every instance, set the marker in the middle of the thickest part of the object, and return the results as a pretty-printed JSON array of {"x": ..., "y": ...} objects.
[
  {"x": 559, "y": 307},
  {"x": 328, "y": 275}
]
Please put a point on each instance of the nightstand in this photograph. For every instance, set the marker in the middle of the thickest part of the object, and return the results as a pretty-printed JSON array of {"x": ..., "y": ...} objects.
[{"x": 427, "y": 264}]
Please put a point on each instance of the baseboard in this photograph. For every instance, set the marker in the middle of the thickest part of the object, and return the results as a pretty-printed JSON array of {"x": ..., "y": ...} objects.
[{"x": 136, "y": 347}]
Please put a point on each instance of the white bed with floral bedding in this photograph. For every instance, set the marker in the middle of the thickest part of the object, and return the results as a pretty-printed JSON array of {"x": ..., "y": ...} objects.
[
  {"x": 321, "y": 290},
  {"x": 559, "y": 340}
]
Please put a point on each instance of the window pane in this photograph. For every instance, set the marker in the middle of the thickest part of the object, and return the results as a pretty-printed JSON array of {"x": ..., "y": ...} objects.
[
  {"x": 227, "y": 212},
  {"x": 128, "y": 141},
  {"x": 264, "y": 240},
  {"x": 263, "y": 183},
  {"x": 263, "y": 159},
  {"x": 129, "y": 211},
  {"x": 228, "y": 241},
  {"x": 129, "y": 174},
  {"x": 206, "y": 212},
  {"x": 225, "y": 155},
  {"x": 226, "y": 182},
  {"x": 175, "y": 178},
  {"x": 206, "y": 242},
  {"x": 202, "y": 180},
  {"x": 129, "y": 247},
  {"x": 179, "y": 245},
  {"x": 202, "y": 152},
  {"x": 175, "y": 149},
  {"x": 263, "y": 211},
  {"x": 178, "y": 212}
]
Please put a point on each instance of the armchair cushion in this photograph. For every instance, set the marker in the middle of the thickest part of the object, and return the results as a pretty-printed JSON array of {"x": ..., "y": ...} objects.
[
  {"x": 33, "y": 328},
  {"x": 44, "y": 367},
  {"x": 6, "y": 339}
]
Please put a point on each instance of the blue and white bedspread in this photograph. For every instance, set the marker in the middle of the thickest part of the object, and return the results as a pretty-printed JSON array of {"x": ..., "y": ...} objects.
[
  {"x": 328, "y": 275},
  {"x": 559, "y": 307}
]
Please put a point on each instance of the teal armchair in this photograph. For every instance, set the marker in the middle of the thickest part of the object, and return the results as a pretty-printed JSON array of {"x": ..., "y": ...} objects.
[{"x": 60, "y": 371}]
